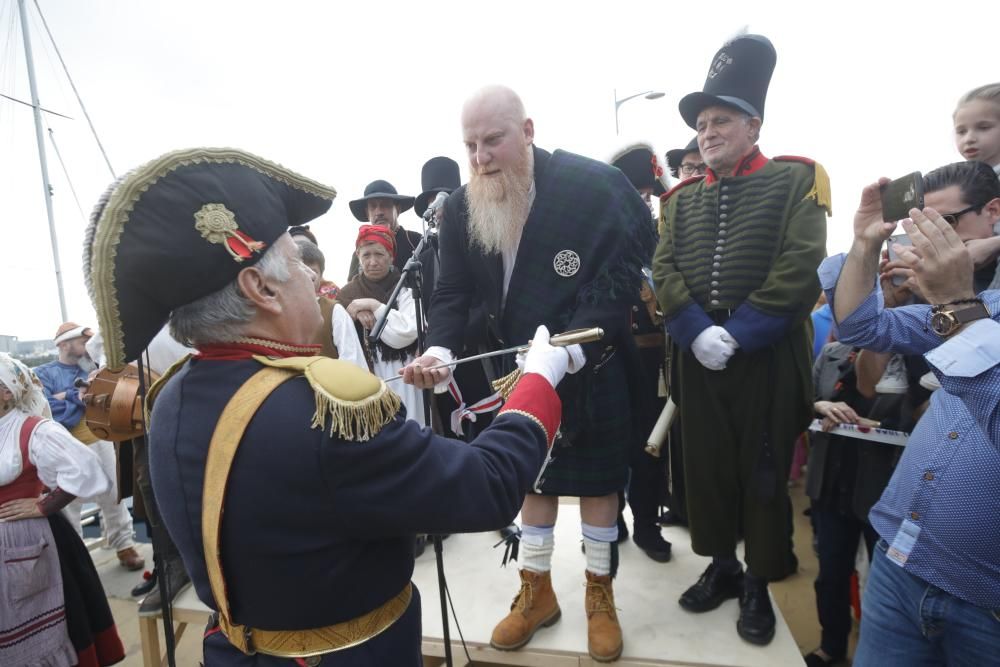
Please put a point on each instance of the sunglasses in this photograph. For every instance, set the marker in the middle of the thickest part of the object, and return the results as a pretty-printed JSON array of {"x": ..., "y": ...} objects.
[{"x": 952, "y": 218}]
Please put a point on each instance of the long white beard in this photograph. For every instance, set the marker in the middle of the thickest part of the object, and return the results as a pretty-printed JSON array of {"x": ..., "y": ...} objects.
[
  {"x": 86, "y": 364},
  {"x": 499, "y": 206}
]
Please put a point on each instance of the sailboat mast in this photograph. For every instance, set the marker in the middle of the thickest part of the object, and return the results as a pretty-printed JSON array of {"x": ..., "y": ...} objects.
[{"x": 41, "y": 157}]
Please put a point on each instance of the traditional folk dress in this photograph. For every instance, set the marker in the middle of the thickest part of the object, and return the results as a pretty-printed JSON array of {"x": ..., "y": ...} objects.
[
  {"x": 53, "y": 611},
  {"x": 399, "y": 338}
]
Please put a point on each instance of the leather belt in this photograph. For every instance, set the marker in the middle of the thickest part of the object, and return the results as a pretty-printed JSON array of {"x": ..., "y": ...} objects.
[
  {"x": 649, "y": 340},
  {"x": 317, "y": 641}
]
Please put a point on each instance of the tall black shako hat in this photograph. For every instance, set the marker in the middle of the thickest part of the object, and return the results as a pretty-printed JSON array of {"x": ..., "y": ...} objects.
[
  {"x": 676, "y": 156},
  {"x": 379, "y": 190},
  {"x": 182, "y": 227},
  {"x": 739, "y": 77},
  {"x": 439, "y": 174}
]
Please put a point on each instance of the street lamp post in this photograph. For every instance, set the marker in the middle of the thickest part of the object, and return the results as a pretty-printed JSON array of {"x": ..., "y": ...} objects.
[{"x": 648, "y": 94}]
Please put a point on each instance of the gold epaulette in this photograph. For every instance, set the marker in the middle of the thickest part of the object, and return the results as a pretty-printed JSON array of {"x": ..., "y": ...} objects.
[
  {"x": 820, "y": 192},
  {"x": 357, "y": 403}
]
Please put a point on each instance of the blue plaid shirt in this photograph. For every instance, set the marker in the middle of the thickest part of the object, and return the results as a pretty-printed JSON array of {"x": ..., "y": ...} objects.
[{"x": 948, "y": 479}]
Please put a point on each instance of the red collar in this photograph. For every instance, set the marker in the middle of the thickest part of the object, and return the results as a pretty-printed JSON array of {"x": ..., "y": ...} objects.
[
  {"x": 748, "y": 164},
  {"x": 245, "y": 348}
]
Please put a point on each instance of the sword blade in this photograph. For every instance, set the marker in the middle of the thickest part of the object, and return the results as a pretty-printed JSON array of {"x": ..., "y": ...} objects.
[{"x": 559, "y": 340}]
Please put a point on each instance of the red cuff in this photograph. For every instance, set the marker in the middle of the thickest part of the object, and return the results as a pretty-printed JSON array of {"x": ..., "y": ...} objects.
[{"x": 535, "y": 398}]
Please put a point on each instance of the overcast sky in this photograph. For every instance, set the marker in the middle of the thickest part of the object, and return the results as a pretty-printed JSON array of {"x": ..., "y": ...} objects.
[{"x": 346, "y": 93}]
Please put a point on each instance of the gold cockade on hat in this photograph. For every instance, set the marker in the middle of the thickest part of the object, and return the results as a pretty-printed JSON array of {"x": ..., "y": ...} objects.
[{"x": 217, "y": 224}]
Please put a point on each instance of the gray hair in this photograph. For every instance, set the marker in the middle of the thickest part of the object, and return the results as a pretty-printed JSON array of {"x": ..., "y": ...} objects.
[
  {"x": 222, "y": 316},
  {"x": 311, "y": 254}
]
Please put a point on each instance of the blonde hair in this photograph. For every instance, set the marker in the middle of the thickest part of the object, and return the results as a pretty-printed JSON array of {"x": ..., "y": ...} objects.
[{"x": 989, "y": 93}]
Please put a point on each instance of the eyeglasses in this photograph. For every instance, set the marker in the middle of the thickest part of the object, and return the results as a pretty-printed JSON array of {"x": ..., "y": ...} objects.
[
  {"x": 689, "y": 169},
  {"x": 952, "y": 218}
]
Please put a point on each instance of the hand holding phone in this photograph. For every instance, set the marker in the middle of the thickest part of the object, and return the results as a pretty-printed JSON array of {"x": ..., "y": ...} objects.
[
  {"x": 902, "y": 194},
  {"x": 901, "y": 239}
]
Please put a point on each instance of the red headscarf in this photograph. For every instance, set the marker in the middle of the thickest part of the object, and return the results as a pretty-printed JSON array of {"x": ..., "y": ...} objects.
[{"x": 377, "y": 234}]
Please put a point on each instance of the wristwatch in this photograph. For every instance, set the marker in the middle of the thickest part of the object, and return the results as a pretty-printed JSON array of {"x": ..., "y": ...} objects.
[{"x": 946, "y": 319}]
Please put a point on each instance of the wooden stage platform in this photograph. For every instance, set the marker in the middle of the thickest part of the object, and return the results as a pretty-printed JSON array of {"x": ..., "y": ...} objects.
[{"x": 656, "y": 630}]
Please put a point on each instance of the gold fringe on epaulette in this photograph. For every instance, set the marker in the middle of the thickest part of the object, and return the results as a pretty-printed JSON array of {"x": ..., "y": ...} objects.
[
  {"x": 821, "y": 192},
  {"x": 357, "y": 421},
  {"x": 505, "y": 385}
]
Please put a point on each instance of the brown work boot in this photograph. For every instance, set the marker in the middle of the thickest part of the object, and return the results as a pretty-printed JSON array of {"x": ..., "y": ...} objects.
[
  {"x": 130, "y": 559},
  {"x": 604, "y": 635},
  {"x": 534, "y": 607}
]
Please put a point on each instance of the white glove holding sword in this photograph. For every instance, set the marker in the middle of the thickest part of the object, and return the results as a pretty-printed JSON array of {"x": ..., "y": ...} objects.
[{"x": 549, "y": 361}]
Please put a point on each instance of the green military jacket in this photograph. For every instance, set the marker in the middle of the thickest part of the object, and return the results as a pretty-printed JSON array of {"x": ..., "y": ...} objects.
[{"x": 742, "y": 251}]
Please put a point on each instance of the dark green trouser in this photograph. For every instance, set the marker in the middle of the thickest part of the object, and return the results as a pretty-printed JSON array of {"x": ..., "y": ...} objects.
[{"x": 729, "y": 479}]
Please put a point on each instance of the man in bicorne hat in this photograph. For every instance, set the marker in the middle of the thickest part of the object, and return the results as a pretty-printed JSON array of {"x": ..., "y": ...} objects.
[
  {"x": 580, "y": 234},
  {"x": 648, "y": 478},
  {"x": 382, "y": 205},
  {"x": 58, "y": 378},
  {"x": 735, "y": 273},
  {"x": 291, "y": 482}
]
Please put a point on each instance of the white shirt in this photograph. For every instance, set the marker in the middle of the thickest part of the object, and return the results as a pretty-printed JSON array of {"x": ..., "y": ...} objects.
[{"x": 61, "y": 459}]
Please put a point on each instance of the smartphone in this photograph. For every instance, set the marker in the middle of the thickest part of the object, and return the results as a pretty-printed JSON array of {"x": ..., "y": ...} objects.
[
  {"x": 901, "y": 239},
  {"x": 902, "y": 194}
]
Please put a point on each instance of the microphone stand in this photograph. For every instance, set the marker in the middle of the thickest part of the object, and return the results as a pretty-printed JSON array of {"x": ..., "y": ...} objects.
[{"x": 412, "y": 277}]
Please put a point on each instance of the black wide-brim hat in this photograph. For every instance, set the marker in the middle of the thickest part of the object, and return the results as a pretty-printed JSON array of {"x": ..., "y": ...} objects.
[
  {"x": 379, "y": 190},
  {"x": 638, "y": 163},
  {"x": 439, "y": 174},
  {"x": 676, "y": 156},
  {"x": 738, "y": 77},
  {"x": 182, "y": 227}
]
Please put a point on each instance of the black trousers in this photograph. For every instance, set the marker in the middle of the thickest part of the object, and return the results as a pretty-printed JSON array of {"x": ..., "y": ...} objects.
[
  {"x": 648, "y": 480},
  {"x": 837, "y": 535}
]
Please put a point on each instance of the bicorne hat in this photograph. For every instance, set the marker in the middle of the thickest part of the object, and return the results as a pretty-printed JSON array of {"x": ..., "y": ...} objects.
[
  {"x": 639, "y": 164},
  {"x": 676, "y": 156},
  {"x": 379, "y": 190},
  {"x": 738, "y": 77},
  {"x": 182, "y": 227},
  {"x": 439, "y": 174}
]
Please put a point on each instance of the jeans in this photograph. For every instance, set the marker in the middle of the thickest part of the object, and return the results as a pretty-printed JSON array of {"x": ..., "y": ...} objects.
[
  {"x": 837, "y": 536},
  {"x": 907, "y": 622}
]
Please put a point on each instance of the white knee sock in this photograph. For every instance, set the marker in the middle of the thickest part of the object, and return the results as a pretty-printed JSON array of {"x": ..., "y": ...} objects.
[
  {"x": 597, "y": 544},
  {"x": 537, "y": 543}
]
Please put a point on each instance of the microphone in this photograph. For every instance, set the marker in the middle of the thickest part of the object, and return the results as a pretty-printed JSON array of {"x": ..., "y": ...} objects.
[{"x": 438, "y": 202}]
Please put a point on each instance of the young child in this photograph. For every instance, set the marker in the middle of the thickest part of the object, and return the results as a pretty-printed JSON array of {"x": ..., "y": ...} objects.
[{"x": 977, "y": 125}]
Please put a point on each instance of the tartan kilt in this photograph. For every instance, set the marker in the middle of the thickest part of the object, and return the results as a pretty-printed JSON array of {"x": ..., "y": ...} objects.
[{"x": 591, "y": 456}]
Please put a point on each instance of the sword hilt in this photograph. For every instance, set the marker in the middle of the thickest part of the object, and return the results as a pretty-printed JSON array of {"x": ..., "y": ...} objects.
[{"x": 572, "y": 337}]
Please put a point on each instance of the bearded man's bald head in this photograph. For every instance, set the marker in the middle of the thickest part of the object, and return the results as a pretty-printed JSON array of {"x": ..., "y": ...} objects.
[{"x": 500, "y": 100}]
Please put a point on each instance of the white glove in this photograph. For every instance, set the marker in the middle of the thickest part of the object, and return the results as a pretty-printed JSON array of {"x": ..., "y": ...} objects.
[
  {"x": 729, "y": 340},
  {"x": 547, "y": 360},
  {"x": 713, "y": 347},
  {"x": 577, "y": 359}
]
